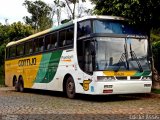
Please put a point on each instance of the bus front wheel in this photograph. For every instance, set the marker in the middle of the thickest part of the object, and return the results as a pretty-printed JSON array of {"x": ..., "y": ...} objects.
[{"x": 70, "y": 88}]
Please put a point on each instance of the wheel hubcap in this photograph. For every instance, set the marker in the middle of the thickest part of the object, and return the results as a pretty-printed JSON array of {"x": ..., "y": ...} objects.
[{"x": 70, "y": 87}]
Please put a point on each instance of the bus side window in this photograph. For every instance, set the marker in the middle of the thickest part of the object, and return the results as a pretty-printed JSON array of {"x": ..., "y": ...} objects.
[
  {"x": 28, "y": 48},
  {"x": 69, "y": 36},
  {"x": 84, "y": 28},
  {"x": 20, "y": 50},
  {"x": 41, "y": 44},
  {"x": 36, "y": 45},
  {"x": 12, "y": 52},
  {"x": 54, "y": 40},
  {"x": 47, "y": 42},
  {"x": 62, "y": 37}
]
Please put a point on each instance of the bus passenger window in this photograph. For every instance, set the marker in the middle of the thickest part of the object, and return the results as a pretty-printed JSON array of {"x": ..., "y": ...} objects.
[
  {"x": 12, "y": 52},
  {"x": 47, "y": 42},
  {"x": 50, "y": 41},
  {"x": 36, "y": 45},
  {"x": 41, "y": 45},
  {"x": 53, "y": 40},
  {"x": 69, "y": 36},
  {"x": 61, "y": 38},
  {"x": 29, "y": 48},
  {"x": 20, "y": 50}
]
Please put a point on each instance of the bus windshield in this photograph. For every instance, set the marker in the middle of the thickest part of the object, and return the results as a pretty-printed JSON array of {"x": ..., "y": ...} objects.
[
  {"x": 121, "y": 54},
  {"x": 115, "y": 27}
]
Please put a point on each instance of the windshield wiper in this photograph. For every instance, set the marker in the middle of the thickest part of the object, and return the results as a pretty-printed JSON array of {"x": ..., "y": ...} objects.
[
  {"x": 123, "y": 58},
  {"x": 134, "y": 57}
]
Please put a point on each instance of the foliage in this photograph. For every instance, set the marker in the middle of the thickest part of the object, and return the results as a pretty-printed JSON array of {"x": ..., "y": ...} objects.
[
  {"x": 139, "y": 11},
  {"x": 19, "y": 30},
  {"x": 68, "y": 2},
  {"x": 12, "y": 32},
  {"x": 1, "y": 75},
  {"x": 156, "y": 54},
  {"x": 41, "y": 15},
  {"x": 155, "y": 37},
  {"x": 70, "y": 8}
]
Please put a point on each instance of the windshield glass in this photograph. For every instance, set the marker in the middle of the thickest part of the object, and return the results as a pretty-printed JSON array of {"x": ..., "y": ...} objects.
[
  {"x": 121, "y": 54},
  {"x": 116, "y": 27}
]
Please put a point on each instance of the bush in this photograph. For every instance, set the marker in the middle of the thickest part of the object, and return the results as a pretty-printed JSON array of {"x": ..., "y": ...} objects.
[
  {"x": 1, "y": 75},
  {"x": 156, "y": 54}
]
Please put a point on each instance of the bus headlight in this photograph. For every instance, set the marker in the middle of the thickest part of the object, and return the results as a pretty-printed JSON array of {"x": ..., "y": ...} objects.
[{"x": 105, "y": 78}]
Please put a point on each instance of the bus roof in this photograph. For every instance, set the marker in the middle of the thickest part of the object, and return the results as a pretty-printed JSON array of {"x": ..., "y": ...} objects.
[
  {"x": 99, "y": 17},
  {"x": 39, "y": 33},
  {"x": 62, "y": 26}
]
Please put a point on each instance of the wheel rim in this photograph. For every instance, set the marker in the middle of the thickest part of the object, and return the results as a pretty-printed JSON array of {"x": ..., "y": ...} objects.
[
  {"x": 21, "y": 87},
  {"x": 70, "y": 88},
  {"x": 16, "y": 87}
]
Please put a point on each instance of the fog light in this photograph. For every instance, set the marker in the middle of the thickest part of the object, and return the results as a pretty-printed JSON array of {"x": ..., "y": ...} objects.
[
  {"x": 108, "y": 86},
  {"x": 105, "y": 78}
]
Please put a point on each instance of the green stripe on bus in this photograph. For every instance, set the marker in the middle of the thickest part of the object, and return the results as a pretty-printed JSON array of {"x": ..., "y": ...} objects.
[
  {"x": 48, "y": 67},
  {"x": 145, "y": 73}
]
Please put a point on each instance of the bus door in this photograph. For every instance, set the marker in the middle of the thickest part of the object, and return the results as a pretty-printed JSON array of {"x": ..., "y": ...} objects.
[{"x": 88, "y": 62}]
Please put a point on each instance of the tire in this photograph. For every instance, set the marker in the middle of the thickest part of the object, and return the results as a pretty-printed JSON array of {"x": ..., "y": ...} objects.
[
  {"x": 16, "y": 86},
  {"x": 19, "y": 87},
  {"x": 70, "y": 88}
]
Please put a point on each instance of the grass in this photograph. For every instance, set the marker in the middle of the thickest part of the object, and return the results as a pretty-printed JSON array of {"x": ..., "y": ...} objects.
[{"x": 157, "y": 91}]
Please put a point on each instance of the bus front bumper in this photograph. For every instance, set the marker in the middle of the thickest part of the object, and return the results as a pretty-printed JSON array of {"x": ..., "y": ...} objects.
[{"x": 121, "y": 87}]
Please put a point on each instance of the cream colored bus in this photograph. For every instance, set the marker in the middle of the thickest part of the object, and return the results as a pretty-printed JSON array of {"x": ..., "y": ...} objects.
[{"x": 98, "y": 55}]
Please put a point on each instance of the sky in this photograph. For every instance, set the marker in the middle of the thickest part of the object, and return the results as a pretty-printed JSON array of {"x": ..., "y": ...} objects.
[{"x": 14, "y": 11}]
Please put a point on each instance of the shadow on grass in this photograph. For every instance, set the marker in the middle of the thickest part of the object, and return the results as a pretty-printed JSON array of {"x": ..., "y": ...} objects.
[{"x": 93, "y": 98}]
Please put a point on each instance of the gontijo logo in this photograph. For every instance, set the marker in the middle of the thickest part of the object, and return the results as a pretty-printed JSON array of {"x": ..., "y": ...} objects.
[{"x": 27, "y": 62}]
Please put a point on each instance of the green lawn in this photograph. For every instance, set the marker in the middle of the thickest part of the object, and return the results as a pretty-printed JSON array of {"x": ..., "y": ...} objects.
[{"x": 157, "y": 91}]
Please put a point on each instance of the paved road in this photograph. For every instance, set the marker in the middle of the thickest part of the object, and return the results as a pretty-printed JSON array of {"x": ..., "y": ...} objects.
[{"x": 45, "y": 105}]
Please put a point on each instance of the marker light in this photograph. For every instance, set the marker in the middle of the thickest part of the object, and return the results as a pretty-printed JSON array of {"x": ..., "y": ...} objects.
[{"x": 146, "y": 78}]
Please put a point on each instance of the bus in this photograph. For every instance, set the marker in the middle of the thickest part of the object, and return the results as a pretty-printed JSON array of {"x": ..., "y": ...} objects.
[{"x": 95, "y": 55}]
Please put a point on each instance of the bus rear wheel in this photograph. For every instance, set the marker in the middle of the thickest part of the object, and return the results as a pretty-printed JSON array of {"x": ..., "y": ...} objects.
[
  {"x": 19, "y": 87},
  {"x": 70, "y": 88}
]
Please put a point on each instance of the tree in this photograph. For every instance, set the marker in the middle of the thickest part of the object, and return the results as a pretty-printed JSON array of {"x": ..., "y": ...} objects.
[
  {"x": 19, "y": 30},
  {"x": 58, "y": 5},
  {"x": 12, "y": 32},
  {"x": 41, "y": 15},
  {"x": 72, "y": 11},
  {"x": 70, "y": 8},
  {"x": 142, "y": 12}
]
